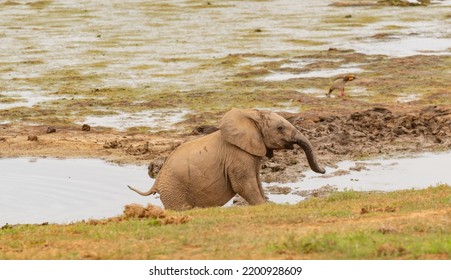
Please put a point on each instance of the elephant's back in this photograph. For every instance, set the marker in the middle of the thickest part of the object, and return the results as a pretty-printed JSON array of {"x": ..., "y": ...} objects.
[
  {"x": 198, "y": 149},
  {"x": 191, "y": 160}
]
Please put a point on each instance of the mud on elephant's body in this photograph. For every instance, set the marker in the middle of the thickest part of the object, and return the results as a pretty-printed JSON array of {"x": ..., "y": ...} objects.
[{"x": 210, "y": 170}]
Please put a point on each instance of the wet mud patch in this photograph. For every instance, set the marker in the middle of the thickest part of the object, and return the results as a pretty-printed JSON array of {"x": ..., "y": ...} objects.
[
  {"x": 278, "y": 190},
  {"x": 323, "y": 191},
  {"x": 369, "y": 133},
  {"x": 428, "y": 125}
]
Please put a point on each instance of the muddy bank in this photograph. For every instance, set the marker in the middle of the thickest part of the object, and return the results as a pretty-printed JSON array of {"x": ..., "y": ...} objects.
[
  {"x": 379, "y": 130},
  {"x": 337, "y": 136},
  {"x": 373, "y": 132}
]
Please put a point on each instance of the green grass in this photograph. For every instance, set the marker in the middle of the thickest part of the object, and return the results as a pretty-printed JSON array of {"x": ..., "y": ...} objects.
[{"x": 411, "y": 224}]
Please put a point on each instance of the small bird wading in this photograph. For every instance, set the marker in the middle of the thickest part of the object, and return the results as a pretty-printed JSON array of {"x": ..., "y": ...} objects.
[{"x": 339, "y": 83}]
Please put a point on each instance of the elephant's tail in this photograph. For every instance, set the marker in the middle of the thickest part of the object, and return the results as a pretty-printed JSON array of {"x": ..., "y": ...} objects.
[{"x": 149, "y": 192}]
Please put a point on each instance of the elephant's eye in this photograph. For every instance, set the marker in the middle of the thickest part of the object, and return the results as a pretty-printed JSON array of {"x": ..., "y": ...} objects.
[{"x": 280, "y": 128}]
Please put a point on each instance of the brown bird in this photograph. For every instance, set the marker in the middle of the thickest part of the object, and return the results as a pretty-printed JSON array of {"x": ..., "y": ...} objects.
[{"x": 339, "y": 83}]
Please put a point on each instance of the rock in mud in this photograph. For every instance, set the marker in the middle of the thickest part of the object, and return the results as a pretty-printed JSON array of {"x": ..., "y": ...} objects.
[
  {"x": 32, "y": 138},
  {"x": 50, "y": 129},
  {"x": 399, "y": 130},
  {"x": 138, "y": 150},
  {"x": 115, "y": 144},
  {"x": 86, "y": 127}
]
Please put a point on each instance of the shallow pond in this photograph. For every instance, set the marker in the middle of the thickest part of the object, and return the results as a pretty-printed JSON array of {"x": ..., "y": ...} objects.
[
  {"x": 421, "y": 171},
  {"x": 61, "y": 191}
]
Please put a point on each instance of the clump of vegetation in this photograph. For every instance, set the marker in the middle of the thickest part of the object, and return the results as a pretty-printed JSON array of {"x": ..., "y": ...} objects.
[
  {"x": 156, "y": 214},
  {"x": 136, "y": 211},
  {"x": 404, "y": 3},
  {"x": 40, "y": 4}
]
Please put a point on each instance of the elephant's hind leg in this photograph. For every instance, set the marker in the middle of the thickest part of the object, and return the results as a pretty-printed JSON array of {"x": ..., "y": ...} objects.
[{"x": 178, "y": 200}]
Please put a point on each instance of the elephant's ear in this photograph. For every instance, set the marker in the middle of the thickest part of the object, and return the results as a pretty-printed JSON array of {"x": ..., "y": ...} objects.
[{"x": 239, "y": 127}]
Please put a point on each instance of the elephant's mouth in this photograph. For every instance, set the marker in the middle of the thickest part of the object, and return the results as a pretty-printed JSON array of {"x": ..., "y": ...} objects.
[
  {"x": 289, "y": 146},
  {"x": 269, "y": 153}
]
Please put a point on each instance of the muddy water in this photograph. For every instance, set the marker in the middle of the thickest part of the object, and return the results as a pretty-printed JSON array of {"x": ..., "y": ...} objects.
[
  {"x": 62, "y": 191},
  {"x": 392, "y": 174}
]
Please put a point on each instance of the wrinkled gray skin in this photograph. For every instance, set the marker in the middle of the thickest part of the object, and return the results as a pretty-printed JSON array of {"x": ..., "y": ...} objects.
[{"x": 210, "y": 170}]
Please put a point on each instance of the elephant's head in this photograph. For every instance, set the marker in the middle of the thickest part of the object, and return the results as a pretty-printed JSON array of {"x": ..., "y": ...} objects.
[{"x": 260, "y": 132}]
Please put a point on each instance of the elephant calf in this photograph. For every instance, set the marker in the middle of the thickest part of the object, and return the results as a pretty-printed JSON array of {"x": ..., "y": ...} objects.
[{"x": 210, "y": 170}]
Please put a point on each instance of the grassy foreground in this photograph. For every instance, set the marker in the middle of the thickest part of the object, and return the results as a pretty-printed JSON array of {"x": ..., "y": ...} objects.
[{"x": 411, "y": 224}]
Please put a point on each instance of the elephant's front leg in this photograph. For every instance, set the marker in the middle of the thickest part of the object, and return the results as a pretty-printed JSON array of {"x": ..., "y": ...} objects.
[{"x": 243, "y": 176}]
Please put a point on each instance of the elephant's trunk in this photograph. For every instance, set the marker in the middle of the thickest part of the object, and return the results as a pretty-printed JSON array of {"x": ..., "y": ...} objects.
[{"x": 305, "y": 144}]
